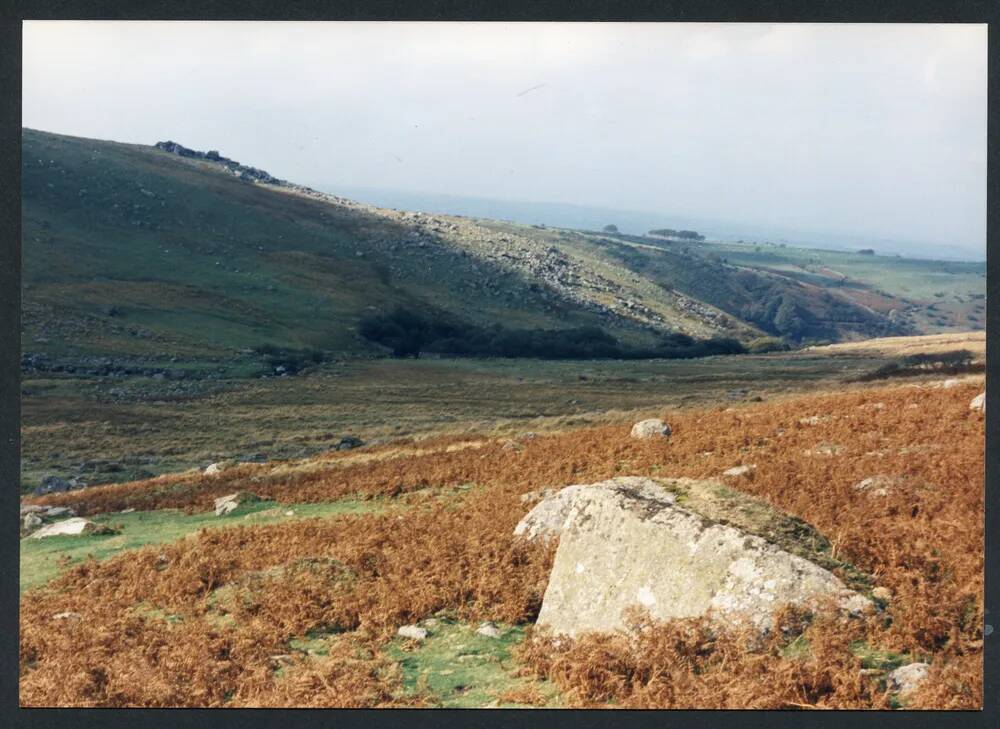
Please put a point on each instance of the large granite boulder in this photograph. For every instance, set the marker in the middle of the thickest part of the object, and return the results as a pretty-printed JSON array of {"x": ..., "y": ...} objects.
[{"x": 679, "y": 548}]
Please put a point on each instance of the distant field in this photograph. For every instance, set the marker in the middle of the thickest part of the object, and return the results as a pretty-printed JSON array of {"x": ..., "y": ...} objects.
[
  {"x": 140, "y": 426},
  {"x": 906, "y": 277}
]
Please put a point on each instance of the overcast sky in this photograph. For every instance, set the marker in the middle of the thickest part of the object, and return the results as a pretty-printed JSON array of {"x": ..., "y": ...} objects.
[{"x": 877, "y": 129}]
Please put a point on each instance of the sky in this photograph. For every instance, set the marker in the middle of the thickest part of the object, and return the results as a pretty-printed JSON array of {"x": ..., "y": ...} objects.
[{"x": 861, "y": 129}]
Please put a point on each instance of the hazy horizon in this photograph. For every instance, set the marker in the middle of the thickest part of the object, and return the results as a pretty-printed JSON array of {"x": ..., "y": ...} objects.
[{"x": 875, "y": 131}]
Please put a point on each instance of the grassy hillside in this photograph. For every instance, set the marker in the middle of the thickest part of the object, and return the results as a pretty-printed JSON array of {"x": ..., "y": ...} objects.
[
  {"x": 135, "y": 254},
  {"x": 130, "y": 250}
]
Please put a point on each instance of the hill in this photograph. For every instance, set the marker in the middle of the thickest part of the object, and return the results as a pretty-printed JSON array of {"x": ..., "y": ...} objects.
[{"x": 144, "y": 260}]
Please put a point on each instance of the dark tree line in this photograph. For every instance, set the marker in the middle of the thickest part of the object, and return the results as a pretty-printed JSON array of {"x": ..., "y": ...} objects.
[
  {"x": 408, "y": 333},
  {"x": 682, "y": 234}
]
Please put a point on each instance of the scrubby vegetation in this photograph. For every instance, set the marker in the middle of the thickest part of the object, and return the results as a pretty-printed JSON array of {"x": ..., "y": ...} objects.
[
  {"x": 408, "y": 333},
  {"x": 153, "y": 631},
  {"x": 682, "y": 234},
  {"x": 943, "y": 363}
]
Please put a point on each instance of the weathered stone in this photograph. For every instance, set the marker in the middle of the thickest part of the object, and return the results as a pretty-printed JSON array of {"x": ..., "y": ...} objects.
[
  {"x": 679, "y": 548},
  {"x": 32, "y": 509},
  {"x": 228, "y": 504},
  {"x": 349, "y": 442},
  {"x": 978, "y": 402},
  {"x": 738, "y": 470},
  {"x": 905, "y": 679},
  {"x": 52, "y": 485},
  {"x": 489, "y": 630},
  {"x": 214, "y": 468},
  {"x": 54, "y": 512},
  {"x": 32, "y": 522},
  {"x": 414, "y": 632},
  {"x": 651, "y": 428},
  {"x": 879, "y": 485},
  {"x": 546, "y": 520},
  {"x": 68, "y": 615},
  {"x": 71, "y": 527}
]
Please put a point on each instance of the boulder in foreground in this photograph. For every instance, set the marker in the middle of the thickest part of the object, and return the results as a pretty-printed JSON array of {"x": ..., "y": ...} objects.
[
  {"x": 978, "y": 402},
  {"x": 679, "y": 548}
]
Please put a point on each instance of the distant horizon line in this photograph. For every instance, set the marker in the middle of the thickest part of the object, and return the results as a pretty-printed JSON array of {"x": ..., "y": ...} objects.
[{"x": 779, "y": 233}]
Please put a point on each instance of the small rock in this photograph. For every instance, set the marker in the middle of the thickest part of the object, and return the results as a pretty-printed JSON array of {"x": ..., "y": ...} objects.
[
  {"x": 882, "y": 593},
  {"x": 906, "y": 679},
  {"x": 978, "y": 402},
  {"x": 651, "y": 428},
  {"x": 947, "y": 385},
  {"x": 228, "y": 504},
  {"x": 290, "y": 512},
  {"x": 214, "y": 468},
  {"x": 414, "y": 632},
  {"x": 877, "y": 485},
  {"x": 71, "y": 527},
  {"x": 52, "y": 485},
  {"x": 68, "y": 615},
  {"x": 349, "y": 442},
  {"x": 489, "y": 630},
  {"x": 32, "y": 522},
  {"x": 32, "y": 509},
  {"x": 738, "y": 470},
  {"x": 54, "y": 512}
]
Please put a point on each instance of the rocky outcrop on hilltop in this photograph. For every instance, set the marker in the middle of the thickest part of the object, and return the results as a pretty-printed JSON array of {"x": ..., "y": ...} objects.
[{"x": 244, "y": 172}]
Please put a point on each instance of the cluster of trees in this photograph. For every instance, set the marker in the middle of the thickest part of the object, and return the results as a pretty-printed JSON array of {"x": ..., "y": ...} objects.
[
  {"x": 682, "y": 234},
  {"x": 408, "y": 333},
  {"x": 778, "y": 314}
]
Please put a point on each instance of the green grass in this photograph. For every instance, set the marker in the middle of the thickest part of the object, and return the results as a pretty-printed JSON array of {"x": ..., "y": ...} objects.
[
  {"x": 460, "y": 669},
  {"x": 42, "y": 560},
  {"x": 209, "y": 264},
  {"x": 907, "y": 277}
]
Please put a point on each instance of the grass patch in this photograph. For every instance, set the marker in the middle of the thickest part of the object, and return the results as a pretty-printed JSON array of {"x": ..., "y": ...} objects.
[
  {"x": 461, "y": 669},
  {"x": 44, "y": 559}
]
